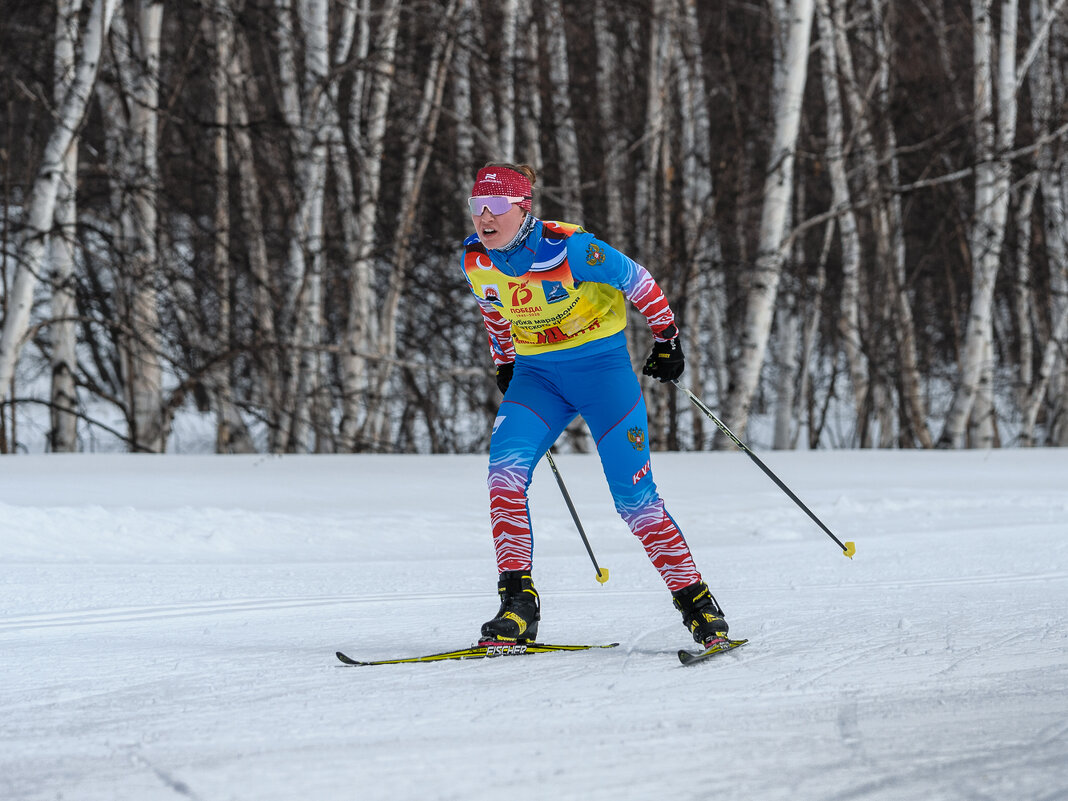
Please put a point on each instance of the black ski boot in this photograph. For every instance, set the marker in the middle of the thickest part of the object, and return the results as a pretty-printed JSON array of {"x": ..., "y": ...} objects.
[
  {"x": 700, "y": 613},
  {"x": 517, "y": 619}
]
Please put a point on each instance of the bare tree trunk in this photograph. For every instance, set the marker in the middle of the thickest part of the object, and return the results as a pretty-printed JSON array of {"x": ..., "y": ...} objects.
[
  {"x": 849, "y": 317},
  {"x": 562, "y": 118},
  {"x": 341, "y": 167},
  {"x": 983, "y": 428},
  {"x": 133, "y": 117},
  {"x": 304, "y": 107},
  {"x": 650, "y": 207},
  {"x": 913, "y": 409},
  {"x": 487, "y": 116},
  {"x": 1050, "y": 356},
  {"x": 144, "y": 369},
  {"x": 292, "y": 429},
  {"x": 507, "y": 78},
  {"x": 809, "y": 337},
  {"x": 231, "y": 434},
  {"x": 268, "y": 388},
  {"x": 63, "y": 437},
  {"x": 778, "y": 187},
  {"x": 567, "y": 146},
  {"x": 1059, "y": 219},
  {"x": 994, "y": 137},
  {"x": 42, "y": 198},
  {"x": 613, "y": 183},
  {"x": 462, "y": 98},
  {"x": 787, "y": 343},
  {"x": 527, "y": 80},
  {"x": 318, "y": 89},
  {"x": 705, "y": 312},
  {"x": 363, "y": 332},
  {"x": 1023, "y": 296},
  {"x": 645, "y": 196}
]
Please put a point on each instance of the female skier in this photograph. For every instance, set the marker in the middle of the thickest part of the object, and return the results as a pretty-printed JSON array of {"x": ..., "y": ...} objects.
[{"x": 553, "y": 300}]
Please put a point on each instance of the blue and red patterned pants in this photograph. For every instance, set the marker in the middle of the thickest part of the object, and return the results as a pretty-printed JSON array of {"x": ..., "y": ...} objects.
[{"x": 545, "y": 394}]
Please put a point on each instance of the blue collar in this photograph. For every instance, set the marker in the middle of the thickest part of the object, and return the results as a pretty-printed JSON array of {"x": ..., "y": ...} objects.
[{"x": 517, "y": 256}]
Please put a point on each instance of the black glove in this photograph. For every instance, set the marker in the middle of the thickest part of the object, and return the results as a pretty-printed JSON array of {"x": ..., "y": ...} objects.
[
  {"x": 666, "y": 362},
  {"x": 504, "y": 375}
]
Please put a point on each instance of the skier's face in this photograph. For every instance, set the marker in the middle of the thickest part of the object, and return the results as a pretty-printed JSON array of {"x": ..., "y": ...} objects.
[{"x": 497, "y": 230}]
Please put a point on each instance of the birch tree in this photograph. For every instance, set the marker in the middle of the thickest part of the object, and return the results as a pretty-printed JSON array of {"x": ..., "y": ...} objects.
[
  {"x": 507, "y": 82},
  {"x": 304, "y": 99},
  {"x": 42, "y": 199},
  {"x": 462, "y": 96},
  {"x": 1024, "y": 296},
  {"x": 144, "y": 378},
  {"x": 232, "y": 435},
  {"x": 994, "y": 136},
  {"x": 563, "y": 121},
  {"x": 913, "y": 411},
  {"x": 648, "y": 181},
  {"x": 796, "y": 21},
  {"x": 362, "y": 327},
  {"x": 64, "y": 431},
  {"x": 526, "y": 77},
  {"x": 788, "y": 341},
  {"x": 809, "y": 342},
  {"x": 241, "y": 93},
  {"x": 849, "y": 328},
  {"x": 131, "y": 109},
  {"x": 705, "y": 310},
  {"x": 608, "y": 78},
  {"x": 652, "y": 204}
]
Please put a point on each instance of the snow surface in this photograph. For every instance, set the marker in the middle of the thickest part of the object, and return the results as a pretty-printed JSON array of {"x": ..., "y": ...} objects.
[{"x": 168, "y": 627}]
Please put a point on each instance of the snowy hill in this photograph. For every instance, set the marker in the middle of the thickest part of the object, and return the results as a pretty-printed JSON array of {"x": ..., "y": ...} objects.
[{"x": 167, "y": 629}]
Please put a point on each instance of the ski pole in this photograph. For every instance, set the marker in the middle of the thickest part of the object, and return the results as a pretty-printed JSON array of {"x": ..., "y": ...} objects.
[
  {"x": 602, "y": 572},
  {"x": 848, "y": 548}
]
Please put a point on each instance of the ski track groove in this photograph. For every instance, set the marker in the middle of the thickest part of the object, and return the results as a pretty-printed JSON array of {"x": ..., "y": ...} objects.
[
  {"x": 966, "y": 581},
  {"x": 852, "y": 657},
  {"x": 973, "y": 651},
  {"x": 128, "y": 614}
]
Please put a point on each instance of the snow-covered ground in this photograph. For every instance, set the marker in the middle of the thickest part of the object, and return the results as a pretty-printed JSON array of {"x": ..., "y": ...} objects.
[{"x": 168, "y": 628}]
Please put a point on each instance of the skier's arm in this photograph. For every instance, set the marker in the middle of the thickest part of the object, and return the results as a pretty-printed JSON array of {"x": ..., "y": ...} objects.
[
  {"x": 607, "y": 265},
  {"x": 593, "y": 260},
  {"x": 499, "y": 331},
  {"x": 645, "y": 293}
]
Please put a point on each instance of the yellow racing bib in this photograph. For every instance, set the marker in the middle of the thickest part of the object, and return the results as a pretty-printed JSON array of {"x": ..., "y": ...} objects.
[{"x": 545, "y": 307}]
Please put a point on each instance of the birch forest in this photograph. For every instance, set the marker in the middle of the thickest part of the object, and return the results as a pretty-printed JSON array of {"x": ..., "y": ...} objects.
[{"x": 248, "y": 213}]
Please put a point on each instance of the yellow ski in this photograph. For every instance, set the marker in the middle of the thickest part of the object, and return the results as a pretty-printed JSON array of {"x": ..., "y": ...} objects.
[{"x": 481, "y": 651}]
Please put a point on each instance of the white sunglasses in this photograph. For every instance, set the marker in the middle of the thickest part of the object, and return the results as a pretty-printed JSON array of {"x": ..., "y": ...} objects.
[{"x": 497, "y": 204}]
